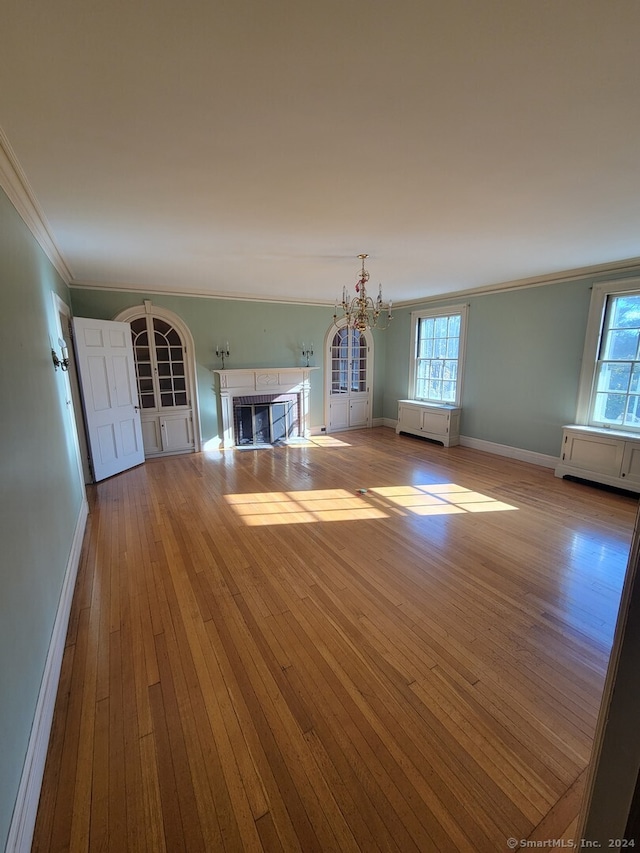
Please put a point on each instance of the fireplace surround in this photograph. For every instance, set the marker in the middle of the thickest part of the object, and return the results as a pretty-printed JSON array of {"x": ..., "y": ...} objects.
[
  {"x": 257, "y": 388},
  {"x": 265, "y": 419}
]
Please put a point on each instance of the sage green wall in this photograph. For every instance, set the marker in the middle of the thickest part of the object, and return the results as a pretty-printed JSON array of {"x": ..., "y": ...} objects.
[
  {"x": 260, "y": 334},
  {"x": 524, "y": 352},
  {"x": 41, "y": 489},
  {"x": 523, "y": 361}
]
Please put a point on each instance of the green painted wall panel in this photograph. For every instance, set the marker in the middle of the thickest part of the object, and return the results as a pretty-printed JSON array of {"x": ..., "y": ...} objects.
[
  {"x": 41, "y": 489},
  {"x": 525, "y": 353}
]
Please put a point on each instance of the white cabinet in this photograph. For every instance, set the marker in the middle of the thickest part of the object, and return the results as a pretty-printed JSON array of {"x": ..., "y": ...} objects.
[
  {"x": 167, "y": 433},
  {"x": 430, "y": 420},
  {"x": 601, "y": 455},
  {"x": 348, "y": 412}
]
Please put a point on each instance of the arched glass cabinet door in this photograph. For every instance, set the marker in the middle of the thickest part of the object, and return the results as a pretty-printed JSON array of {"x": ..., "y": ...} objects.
[
  {"x": 166, "y": 415},
  {"x": 348, "y": 368}
]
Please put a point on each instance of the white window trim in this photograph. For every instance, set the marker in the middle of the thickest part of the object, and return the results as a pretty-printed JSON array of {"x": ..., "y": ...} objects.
[
  {"x": 593, "y": 334},
  {"x": 445, "y": 311}
]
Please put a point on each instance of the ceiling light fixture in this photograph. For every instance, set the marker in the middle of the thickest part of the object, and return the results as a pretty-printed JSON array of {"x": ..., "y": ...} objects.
[{"x": 362, "y": 312}]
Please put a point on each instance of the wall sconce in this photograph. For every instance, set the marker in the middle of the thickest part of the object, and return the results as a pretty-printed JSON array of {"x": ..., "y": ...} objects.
[
  {"x": 62, "y": 363},
  {"x": 223, "y": 353},
  {"x": 307, "y": 352}
]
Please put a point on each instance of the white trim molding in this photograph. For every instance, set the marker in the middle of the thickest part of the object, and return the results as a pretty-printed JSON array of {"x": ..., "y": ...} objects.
[
  {"x": 593, "y": 334},
  {"x": 26, "y": 807},
  {"x": 529, "y": 456},
  {"x": 16, "y": 185},
  {"x": 445, "y": 311},
  {"x": 518, "y": 453}
]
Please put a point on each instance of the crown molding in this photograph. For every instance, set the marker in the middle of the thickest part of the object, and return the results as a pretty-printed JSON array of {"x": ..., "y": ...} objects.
[
  {"x": 206, "y": 294},
  {"x": 596, "y": 271},
  {"x": 16, "y": 185},
  {"x": 625, "y": 267}
]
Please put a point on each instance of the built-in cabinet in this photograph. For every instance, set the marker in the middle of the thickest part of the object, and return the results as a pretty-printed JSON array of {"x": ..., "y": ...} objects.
[
  {"x": 601, "y": 455},
  {"x": 436, "y": 422},
  {"x": 164, "y": 379},
  {"x": 167, "y": 433},
  {"x": 349, "y": 362},
  {"x": 348, "y": 412}
]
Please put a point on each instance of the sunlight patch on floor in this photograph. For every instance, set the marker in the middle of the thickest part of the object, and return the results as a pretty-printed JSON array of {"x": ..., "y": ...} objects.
[
  {"x": 317, "y": 441},
  {"x": 313, "y": 505}
]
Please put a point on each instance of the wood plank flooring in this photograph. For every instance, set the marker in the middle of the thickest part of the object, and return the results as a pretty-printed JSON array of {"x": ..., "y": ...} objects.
[{"x": 263, "y": 657}]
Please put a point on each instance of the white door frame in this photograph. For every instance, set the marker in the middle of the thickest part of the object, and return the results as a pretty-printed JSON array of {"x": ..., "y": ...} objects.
[
  {"x": 328, "y": 338},
  {"x": 147, "y": 308},
  {"x": 72, "y": 390}
]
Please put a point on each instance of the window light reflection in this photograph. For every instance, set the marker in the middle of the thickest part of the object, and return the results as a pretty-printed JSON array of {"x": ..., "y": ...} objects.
[
  {"x": 317, "y": 441},
  {"x": 317, "y": 505}
]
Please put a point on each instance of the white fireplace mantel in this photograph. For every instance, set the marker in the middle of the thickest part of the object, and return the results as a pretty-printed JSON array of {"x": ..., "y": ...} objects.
[{"x": 248, "y": 382}]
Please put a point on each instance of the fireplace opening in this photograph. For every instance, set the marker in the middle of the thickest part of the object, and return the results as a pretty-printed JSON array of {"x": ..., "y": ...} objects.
[{"x": 265, "y": 419}]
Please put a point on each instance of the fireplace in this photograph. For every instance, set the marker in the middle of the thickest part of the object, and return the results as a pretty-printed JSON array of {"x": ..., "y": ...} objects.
[
  {"x": 265, "y": 419},
  {"x": 266, "y": 406}
]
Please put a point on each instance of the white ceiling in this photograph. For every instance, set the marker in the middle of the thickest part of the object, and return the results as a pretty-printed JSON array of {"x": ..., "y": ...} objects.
[{"x": 254, "y": 148}]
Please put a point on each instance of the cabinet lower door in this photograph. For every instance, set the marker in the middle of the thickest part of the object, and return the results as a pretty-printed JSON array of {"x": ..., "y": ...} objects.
[
  {"x": 177, "y": 434},
  {"x": 167, "y": 433},
  {"x": 348, "y": 413},
  {"x": 435, "y": 422},
  {"x": 410, "y": 418},
  {"x": 594, "y": 454},
  {"x": 631, "y": 463},
  {"x": 339, "y": 414},
  {"x": 359, "y": 412},
  {"x": 151, "y": 435}
]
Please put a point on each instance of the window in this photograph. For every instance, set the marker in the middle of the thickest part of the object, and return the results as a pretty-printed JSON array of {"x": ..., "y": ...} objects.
[
  {"x": 437, "y": 354},
  {"x": 610, "y": 383}
]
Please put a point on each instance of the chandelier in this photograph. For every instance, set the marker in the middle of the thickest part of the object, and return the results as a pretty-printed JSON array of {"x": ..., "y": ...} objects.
[{"x": 362, "y": 312}]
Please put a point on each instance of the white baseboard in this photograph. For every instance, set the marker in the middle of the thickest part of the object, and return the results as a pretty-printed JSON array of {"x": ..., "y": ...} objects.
[
  {"x": 26, "y": 807},
  {"x": 512, "y": 452},
  {"x": 499, "y": 449}
]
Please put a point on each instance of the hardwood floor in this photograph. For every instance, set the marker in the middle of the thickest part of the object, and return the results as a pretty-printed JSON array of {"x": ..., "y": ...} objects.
[{"x": 262, "y": 657}]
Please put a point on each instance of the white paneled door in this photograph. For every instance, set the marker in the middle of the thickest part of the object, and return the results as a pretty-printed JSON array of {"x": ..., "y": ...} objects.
[{"x": 108, "y": 379}]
